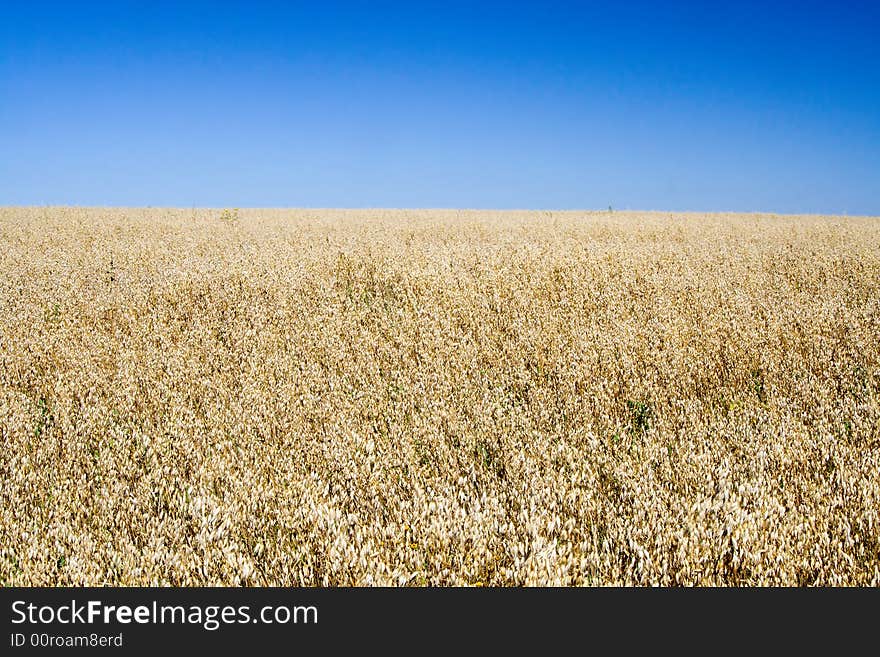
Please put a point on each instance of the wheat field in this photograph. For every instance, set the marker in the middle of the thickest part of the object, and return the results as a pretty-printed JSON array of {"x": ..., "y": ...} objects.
[{"x": 309, "y": 397}]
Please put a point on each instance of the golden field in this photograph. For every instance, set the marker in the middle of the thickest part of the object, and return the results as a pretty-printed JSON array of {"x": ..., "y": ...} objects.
[{"x": 269, "y": 397}]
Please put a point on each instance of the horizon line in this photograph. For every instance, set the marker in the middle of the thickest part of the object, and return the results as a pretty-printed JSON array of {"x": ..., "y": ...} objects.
[{"x": 608, "y": 210}]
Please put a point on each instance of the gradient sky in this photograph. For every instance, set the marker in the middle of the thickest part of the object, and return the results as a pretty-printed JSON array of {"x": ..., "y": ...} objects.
[{"x": 746, "y": 106}]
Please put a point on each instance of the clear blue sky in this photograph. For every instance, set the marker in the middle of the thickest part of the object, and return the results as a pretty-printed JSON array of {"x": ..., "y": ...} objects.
[{"x": 747, "y": 106}]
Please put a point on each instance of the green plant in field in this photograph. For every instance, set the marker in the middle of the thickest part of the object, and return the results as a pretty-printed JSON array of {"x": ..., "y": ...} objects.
[
  {"x": 488, "y": 455},
  {"x": 44, "y": 417},
  {"x": 53, "y": 314},
  {"x": 229, "y": 216},
  {"x": 640, "y": 414},
  {"x": 756, "y": 376}
]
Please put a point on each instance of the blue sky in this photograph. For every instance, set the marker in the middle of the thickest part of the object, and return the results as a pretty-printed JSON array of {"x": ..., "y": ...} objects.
[{"x": 669, "y": 106}]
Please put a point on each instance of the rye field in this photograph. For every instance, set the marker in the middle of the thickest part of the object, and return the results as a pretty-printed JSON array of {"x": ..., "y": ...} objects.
[{"x": 310, "y": 397}]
